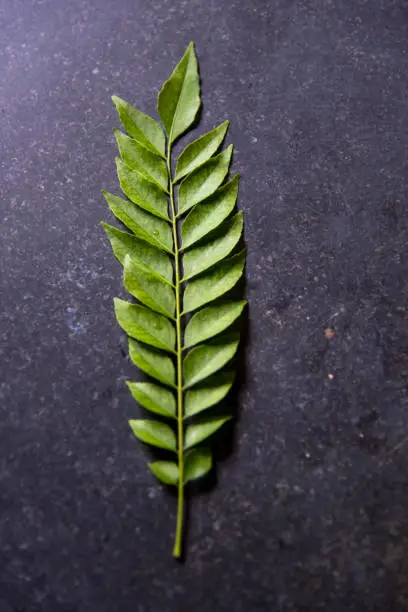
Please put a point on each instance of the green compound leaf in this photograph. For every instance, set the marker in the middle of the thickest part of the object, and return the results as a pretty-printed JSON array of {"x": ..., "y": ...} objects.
[
  {"x": 165, "y": 471},
  {"x": 154, "y": 398},
  {"x": 179, "y": 98},
  {"x": 141, "y": 127},
  {"x": 137, "y": 157},
  {"x": 202, "y": 183},
  {"x": 178, "y": 258},
  {"x": 208, "y": 215},
  {"x": 154, "y": 433},
  {"x": 198, "y": 463},
  {"x": 200, "y": 151}
]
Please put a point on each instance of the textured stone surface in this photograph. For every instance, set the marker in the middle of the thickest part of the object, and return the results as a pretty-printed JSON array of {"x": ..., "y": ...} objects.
[{"x": 310, "y": 508}]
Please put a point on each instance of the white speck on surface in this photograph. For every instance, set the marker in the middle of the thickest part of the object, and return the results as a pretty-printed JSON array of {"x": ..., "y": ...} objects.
[{"x": 95, "y": 71}]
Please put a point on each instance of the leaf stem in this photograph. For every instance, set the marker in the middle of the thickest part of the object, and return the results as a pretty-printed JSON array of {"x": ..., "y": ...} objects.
[{"x": 180, "y": 431}]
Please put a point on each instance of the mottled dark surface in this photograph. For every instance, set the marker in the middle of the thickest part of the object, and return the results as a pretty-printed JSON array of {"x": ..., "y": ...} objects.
[{"x": 310, "y": 509}]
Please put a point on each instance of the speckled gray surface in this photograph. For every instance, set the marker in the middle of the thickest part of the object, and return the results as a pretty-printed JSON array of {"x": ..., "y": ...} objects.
[{"x": 310, "y": 509}]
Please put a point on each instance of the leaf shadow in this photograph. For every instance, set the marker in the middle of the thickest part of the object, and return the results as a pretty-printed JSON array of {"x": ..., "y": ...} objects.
[{"x": 224, "y": 442}]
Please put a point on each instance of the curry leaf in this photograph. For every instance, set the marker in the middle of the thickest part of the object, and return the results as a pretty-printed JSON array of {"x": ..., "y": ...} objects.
[
  {"x": 197, "y": 463},
  {"x": 149, "y": 288},
  {"x": 154, "y": 433},
  {"x": 200, "y": 151},
  {"x": 144, "y": 325},
  {"x": 179, "y": 98},
  {"x": 206, "y": 179},
  {"x": 137, "y": 157},
  {"x": 201, "y": 258},
  {"x": 208, "y": 215},
  {"x": 141, "y": 127},
  {"x": 147, "y": 257},
  {"x": 177, "y": 259},
  {"x": 211, "y": 321},
  {"x": 142, "y": 191},
  {"x": 200, "y": 431},
  {"x": 154, "y": 231},
  {"x": 152, "y": 362},
  {"x": 165, "y": 471},
  {"x": 154, "y": 398},
  {"x": 214, "y": 283},
  {"x": 208, "y": 393},
  {"x": 204, "y": 360}
]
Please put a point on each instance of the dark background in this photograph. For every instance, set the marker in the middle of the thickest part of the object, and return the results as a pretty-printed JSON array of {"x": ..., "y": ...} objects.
[{"x": 310, "y": 508}]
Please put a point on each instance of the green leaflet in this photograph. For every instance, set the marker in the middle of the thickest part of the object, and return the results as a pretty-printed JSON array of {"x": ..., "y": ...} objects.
[
  {"x": 208, "y": 215},
  {"x": 200, "y": 431},
  {"x": 201, "y": 258},
  {"x": 200, "y": 151},
  {"x": 179, "y": 98},
  {"x": 154, "y": 433},
  {"x": 208, "y": 393},
  {"x": 141, "y": 127},
  {"x": 154, "y": 231},
  {"x": 153, "y": 363},
  {"x": 140, "y": 190},
  {"x": 179, "y": 257},
  {"x": 154, "y": 398},
  {"x": 211, "y": 321},
  {"x": 137, "y": 157},
  {"x": 127, "y": 245},
  {"x": 204, "y": 360},
  {"x": 149, "y": 288},
  {"x": 198, "y": 462},
  {"x": 144, "y": 325},
  {"x": 165, "y": 471},
  {"x": 214, "y": 283},
  {"x": 202, "y": 183}
]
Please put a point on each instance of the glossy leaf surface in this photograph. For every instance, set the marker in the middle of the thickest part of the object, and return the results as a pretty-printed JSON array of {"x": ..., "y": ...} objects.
[
  {"x": 199, "y": 151},
  {"x": 208, "y": 393},
  {"x": 150, "y": 229},
  {"x": 144, "y": 325},
  {"x": 204, "y": 360},
  {"x": 153, "y": 397},
  {"x": 179, "y": 98},
  {"x": 197, "y": 464},
  {"x": 200, "y": 431},
  {"x": 208, "y": 215},
  {"x": 140, "y": 190},
  {"x": 149, "y": 288},
  {"x": 140, "y": 126},
  {"x": 137, "y": 157},
  {"x": 204, "y": 181},
  {"x": 165, "y": 471},
  {"x": 211, "y": 321},
  {"x": 202, "y": 257},
  {"x": 215, "y": 283},
  {"x": 143, "y": 254},
  {"x": 154, "y": 433},
  {"x": 178, "y": 260},
  {"x": 153, "y": 363}
]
